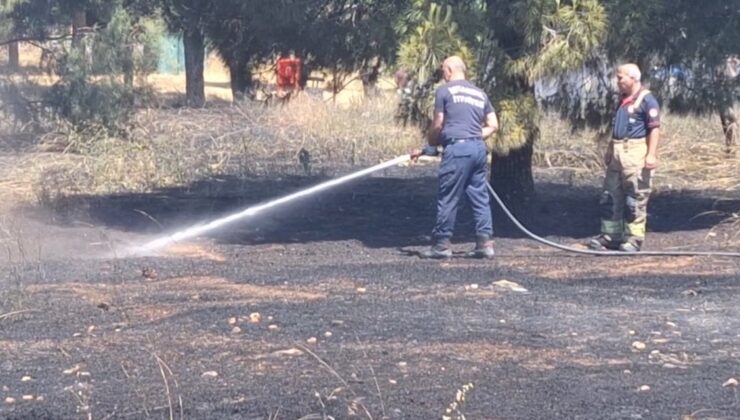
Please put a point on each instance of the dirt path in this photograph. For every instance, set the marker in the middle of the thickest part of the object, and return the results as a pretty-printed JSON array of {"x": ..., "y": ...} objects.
[{"x": 319, "y": 310}]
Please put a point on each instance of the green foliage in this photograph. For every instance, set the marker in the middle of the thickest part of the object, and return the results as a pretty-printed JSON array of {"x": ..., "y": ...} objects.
[
  {"x": 531, "y": 40},
  {"x": 515, "y": 44},
  {"x": 112, "y": 46},
  {"x": 96, "y": 69},
  {"x": 77, "y": 99},
  {"x": 186, "y": 15},
  {"x": 343, "y": 36},
  {"x": 695, "y": 37},
  {"x": 125, "y": 46},
  {"x": 430, "y": 33},
  {"x": 434, "y": 37},
  {"x": 349, "y": 35},
  {"x": 148, "y": 43},
  {"x": 569, "y": 34},
  {"x": 6, "y": 23},
  {"x": 518, "y": 117}
]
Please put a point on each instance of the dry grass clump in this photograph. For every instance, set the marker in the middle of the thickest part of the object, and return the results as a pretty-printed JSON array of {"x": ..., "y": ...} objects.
[
  {"x": 694, "y": 156},
  {"x": 692, "y": 153},
  {"x": 169, "y": 147}
]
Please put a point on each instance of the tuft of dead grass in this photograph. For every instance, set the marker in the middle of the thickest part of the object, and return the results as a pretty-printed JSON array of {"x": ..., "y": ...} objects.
[
  {"x": 692, "y": 154},
  {"x": 173, "y": 147}
]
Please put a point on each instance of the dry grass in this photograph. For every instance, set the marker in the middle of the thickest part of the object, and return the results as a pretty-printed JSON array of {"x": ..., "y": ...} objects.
[
  {"x": 692, "y": 153},
  {"x": 171, "y": 147}
]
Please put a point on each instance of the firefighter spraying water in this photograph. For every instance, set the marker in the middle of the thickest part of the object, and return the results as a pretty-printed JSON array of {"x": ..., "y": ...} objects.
[{"x": 463, "y": 117}]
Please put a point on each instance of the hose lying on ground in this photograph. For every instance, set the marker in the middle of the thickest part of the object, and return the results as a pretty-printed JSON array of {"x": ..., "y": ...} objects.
[{"x": 604, "y": 253}]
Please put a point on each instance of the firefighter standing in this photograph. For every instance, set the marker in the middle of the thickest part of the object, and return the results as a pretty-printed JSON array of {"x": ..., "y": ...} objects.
[
  {"x": 463, "y": 117},
  {"x": 630, "y": 159}
]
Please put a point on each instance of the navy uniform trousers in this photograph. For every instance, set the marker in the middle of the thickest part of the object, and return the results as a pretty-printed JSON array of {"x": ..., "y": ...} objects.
[{"x": 463, "y": 170}]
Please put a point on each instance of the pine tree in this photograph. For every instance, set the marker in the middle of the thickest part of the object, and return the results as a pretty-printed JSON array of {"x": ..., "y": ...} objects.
[{"x": 692, "y": 46}]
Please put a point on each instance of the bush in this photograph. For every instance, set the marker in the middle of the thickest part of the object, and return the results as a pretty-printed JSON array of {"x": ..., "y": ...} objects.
[
  {"x": 96, "y": 73},
  {"x": 84, "y": 102}
]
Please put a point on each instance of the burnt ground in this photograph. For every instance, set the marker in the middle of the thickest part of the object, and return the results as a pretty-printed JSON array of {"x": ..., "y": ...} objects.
[{"x": 84, "y": 334}]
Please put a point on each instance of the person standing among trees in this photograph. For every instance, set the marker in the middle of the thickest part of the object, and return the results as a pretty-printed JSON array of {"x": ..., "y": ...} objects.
[
  {"x": 630, "y": 160},
  {"x": 463, "y": 117}
]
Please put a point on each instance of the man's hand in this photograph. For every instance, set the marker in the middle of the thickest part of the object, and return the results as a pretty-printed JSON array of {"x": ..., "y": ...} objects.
[
  {"x": 608, "y": 154},
  {"x": 427, "y": 150},
  {"x": 651, "y": 161},
  {"x": 415, "y": 153}
]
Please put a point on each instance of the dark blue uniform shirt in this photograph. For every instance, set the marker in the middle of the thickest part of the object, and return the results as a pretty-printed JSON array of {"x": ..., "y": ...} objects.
[
  {"x": 465, "y": 108},
  {"x": 632, "y": 122}
]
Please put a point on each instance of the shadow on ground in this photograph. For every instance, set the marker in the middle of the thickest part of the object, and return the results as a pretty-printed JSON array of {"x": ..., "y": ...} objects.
[{"x": 379, "y": 211}]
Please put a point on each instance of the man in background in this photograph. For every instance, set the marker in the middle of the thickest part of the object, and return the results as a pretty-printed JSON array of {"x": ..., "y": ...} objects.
[{"x": 631, "y": 158}]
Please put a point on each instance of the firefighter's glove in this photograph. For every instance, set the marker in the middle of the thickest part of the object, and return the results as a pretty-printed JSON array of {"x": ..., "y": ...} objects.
[{"x": 424, "y": 151}]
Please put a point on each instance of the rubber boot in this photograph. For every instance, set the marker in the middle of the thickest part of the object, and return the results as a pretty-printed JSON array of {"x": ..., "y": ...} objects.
[
  {"x": 483, "y": 248},
  {"x": 603, "y": 242},
  {"x": 440, "y": 250},
  {"x": 631, "y": 245}
]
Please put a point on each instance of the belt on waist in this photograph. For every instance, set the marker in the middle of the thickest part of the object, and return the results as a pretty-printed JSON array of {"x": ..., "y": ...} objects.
[
  {"x": 626, "y": 140},
  {"x": 463, "y": 140}
]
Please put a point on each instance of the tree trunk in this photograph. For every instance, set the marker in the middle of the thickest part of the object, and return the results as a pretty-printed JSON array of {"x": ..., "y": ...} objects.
[
  {"x": 79, "y": 21},
  {"x": 128, "y": 78},
  {"x": 241, "y": 79},
  {"x": 728, "y": 117},
  {"x": 195, "y": 88},
  {"x": 511, "y": 178},
  {"x": 13, "y": 56},
  {"x": 81, "y": 39},
  {"x": 370, "y": 77}
]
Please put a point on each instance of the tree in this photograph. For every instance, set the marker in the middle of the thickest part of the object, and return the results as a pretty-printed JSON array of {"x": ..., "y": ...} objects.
[
  {"x": 115, "y": 42},
  {"x": 430, "y": 34},
  {"x": 518, "y": 43},
  {"x": 360, "y": 34},
  {"x": 245, "y": 32},
  {"x": 189, "y": 18},
  {"x": 126, "y": 45},
  {"x": 531, "y": 40},
  {"x": 697, "y": 41},
  {"x": 341, "y": 35},
  {"x": 7, "y": 31}
]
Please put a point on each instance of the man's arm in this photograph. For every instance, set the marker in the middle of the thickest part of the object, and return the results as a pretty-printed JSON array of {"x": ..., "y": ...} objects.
[
  {"x": 491, "y": 125},
  {"x": 652, "y": 108},
  {"x": 436, "y": 129},
  {"x": 651, "y": 158}
]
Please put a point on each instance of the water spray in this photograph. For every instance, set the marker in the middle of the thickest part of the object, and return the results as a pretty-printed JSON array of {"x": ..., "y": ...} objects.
[{"x": 251, "y": 211}]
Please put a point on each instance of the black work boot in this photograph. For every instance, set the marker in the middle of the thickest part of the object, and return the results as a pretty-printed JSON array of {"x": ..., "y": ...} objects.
[
  {"x": 483, "y": 248},
  {"x": 603, "y": 242},
  {"x": 440, "y": 250}
]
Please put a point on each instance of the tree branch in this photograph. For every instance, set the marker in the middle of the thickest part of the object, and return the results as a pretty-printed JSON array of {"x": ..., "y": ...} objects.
[{"x": 35, "y": 39}]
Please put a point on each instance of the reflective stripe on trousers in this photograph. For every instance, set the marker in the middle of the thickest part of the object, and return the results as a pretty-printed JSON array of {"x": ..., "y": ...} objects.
[{"x": 627, "y": 187}]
